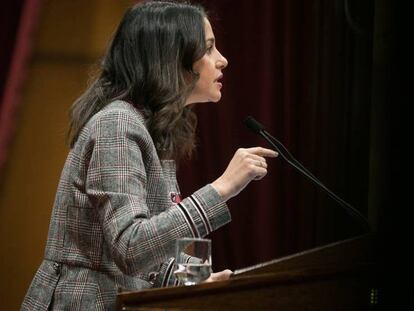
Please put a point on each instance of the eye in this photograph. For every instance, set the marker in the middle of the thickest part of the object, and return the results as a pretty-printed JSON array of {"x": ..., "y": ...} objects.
[{"x": 209, "y": 49}]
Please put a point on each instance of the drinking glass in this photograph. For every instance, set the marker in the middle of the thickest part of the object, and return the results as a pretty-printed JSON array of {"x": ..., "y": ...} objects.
[{"x": 198, "y": 268}]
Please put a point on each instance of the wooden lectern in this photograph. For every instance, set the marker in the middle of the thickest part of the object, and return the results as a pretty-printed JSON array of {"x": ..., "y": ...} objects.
[{"x": 338, "y": 276}]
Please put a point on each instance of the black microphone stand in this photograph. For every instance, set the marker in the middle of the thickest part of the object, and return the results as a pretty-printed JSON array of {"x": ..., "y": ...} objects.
[{"x": 285, "y": 154}]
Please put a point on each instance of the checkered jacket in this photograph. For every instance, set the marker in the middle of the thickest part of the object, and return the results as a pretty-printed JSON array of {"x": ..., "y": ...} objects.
[{"x": 114, "y": 221}]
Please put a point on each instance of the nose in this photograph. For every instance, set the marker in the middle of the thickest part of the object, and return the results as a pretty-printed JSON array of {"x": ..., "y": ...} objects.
[{"x": 221, "y": 62}]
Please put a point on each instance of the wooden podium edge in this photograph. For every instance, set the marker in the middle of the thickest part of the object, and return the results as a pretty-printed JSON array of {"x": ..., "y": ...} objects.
[
  {"x": 259, "y": 276},
  {"x": 361, "y": 239}
]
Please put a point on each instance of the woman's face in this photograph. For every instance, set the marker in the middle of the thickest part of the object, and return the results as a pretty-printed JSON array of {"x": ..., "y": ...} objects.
[{"x": 209, "y": 67}]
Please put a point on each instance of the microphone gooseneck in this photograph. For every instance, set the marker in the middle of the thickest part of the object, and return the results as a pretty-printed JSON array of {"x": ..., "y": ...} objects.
[{"x": 257, "y": 128}]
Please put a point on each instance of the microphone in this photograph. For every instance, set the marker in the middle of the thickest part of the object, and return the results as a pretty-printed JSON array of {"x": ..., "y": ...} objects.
[{"x": 257, "y": 128}]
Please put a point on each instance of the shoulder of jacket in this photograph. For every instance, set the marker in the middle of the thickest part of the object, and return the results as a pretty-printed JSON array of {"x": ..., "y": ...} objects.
[
  {"x": 117, "y": 109},
  {"x": 119, "y": 116}
]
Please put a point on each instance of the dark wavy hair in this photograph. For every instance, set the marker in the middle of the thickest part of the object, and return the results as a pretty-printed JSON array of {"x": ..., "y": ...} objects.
[{"x": 149, "y": 64}]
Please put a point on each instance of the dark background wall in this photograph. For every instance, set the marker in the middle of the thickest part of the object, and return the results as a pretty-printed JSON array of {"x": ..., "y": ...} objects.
[{"x": 303, "y": 69}]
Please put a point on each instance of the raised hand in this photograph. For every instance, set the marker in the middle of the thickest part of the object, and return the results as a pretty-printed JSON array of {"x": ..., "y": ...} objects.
[{"x": 246, "y": 165}]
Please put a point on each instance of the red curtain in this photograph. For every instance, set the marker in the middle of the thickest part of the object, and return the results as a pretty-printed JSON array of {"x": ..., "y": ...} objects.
[
  {"x": 289, "y": 67},
  {"x": 18, "y": 21}
]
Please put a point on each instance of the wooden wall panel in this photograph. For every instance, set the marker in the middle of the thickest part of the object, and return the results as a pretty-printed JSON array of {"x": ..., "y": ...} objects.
[{"x": 71, "y": 36}]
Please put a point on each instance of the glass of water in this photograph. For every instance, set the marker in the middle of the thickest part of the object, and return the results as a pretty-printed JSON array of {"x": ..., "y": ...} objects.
[{"x": 197, "y": 268}]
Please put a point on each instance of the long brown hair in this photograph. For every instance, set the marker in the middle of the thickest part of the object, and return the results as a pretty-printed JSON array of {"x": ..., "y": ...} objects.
[{"x": 149, "y": 64}]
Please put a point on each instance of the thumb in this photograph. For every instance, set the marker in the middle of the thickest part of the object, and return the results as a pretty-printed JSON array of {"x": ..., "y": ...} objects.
[{"x": 221, "y": 276}]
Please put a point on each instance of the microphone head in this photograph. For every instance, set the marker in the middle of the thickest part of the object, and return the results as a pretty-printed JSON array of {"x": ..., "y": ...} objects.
[{"x": 253, "y": 125}]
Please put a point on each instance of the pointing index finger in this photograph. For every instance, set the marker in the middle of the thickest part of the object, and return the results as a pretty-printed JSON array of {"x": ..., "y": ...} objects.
[{"x": 264, "y": 152}]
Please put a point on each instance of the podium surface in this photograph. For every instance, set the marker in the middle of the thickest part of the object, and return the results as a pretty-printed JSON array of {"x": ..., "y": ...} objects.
[{"x": 338, "y": 276}]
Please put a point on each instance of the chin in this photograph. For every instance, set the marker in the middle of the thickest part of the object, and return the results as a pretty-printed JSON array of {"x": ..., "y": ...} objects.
[
  {"x": 216, "y": 98},
  {"x": 212, "y": 98}
]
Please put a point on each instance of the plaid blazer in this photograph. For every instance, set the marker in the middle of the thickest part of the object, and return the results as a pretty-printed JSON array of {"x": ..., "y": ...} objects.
[{"x": 116, "y": 217}]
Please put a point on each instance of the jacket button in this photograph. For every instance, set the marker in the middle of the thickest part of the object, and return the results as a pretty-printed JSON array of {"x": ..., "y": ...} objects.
[
  {"x": 152, "y": 277},
  {"x": 56, "y": 267}
]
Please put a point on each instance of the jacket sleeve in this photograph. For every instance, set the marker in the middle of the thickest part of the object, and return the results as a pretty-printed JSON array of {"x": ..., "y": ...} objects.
[
  {"x": 116, "y": 185},
  {"x": 165, "y": 277}
]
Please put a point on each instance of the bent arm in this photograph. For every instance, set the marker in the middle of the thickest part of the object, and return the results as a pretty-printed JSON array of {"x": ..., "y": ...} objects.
[{"x": 117, "y": 184}]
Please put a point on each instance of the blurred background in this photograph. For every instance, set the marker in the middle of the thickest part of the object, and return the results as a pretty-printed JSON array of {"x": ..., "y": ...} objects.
[{"x": 324, "y": 77}]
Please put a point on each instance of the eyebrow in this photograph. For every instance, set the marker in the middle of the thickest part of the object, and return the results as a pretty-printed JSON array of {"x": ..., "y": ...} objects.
[{"x": 212, "y": 40}]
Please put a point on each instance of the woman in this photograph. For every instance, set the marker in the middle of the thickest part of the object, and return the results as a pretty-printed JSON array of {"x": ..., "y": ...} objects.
[{"x": 117, "y": 211}]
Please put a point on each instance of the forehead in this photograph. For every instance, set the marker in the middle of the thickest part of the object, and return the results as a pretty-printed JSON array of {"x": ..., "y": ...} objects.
[{"x": 208, "y": 29}]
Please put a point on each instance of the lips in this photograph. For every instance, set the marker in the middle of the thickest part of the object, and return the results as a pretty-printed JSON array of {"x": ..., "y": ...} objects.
[{"x": 219, "y": 78}]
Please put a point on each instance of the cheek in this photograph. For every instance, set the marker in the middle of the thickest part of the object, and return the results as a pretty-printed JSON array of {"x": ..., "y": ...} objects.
[
  {"x": 201, "y": 83},
  {"x": 205, "y": 67},
  {"x": 206, "y": 77},
  {"x": 206, "y": 71}
]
